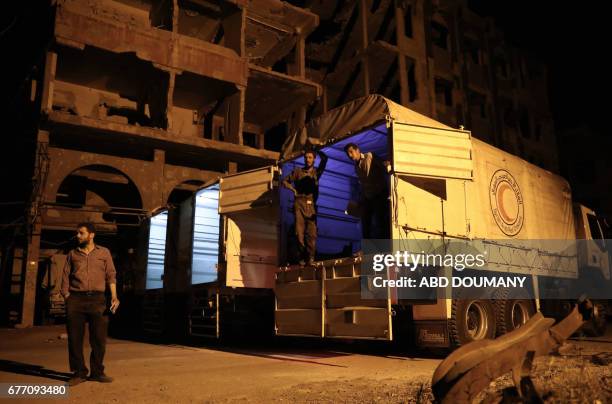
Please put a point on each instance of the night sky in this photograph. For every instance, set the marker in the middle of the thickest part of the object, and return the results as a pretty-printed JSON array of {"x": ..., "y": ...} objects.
[{"x": 572, "y": 38}]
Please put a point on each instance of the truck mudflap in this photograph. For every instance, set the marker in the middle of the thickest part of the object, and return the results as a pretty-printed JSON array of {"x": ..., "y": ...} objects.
[
  {"x": 325, "y": 300},
  {"x": 432, "y": 334}
]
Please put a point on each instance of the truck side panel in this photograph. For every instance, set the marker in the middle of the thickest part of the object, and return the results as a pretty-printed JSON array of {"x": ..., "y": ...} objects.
[{"x": 540, "y": 199}]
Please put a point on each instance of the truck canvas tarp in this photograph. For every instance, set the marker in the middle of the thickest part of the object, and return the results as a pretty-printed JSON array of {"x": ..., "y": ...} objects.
[{"x": 425, "y": 148}]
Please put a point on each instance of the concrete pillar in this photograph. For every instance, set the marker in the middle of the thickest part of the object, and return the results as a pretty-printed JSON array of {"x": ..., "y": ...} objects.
[
  {"x": 325, "y": 100},
  {"x": 402, "y": 68},
  {"x": 175, "y": 16},
  {"x": 46, "y": 104},
  {"x": 16, "y": 283},
  {"x": 300, "y": 57},
  {"x": 234, "y": 31},
  {"x": 31, "y": 275},
  {"x": 234, "y": 115},
  {"x": 261, "y": 140},
  {"x": 297, "y": 120},
  {"x": 232, "y": 167},
  {"x": 35, "y": 220},
  {"x": 170, "y": 99},
  {"x": 363, "y": 28},
  {"x": 157, "y": 180}
]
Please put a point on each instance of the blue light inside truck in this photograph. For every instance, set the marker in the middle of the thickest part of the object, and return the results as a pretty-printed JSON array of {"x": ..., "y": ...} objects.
[{"x": 339, "y": 235}]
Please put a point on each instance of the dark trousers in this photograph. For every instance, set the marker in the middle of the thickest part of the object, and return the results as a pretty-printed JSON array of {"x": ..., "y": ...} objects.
[
  {"x": 375, "y": 217},
  {"x": 81, "y": 309},
  {"x": 306, "y": 226}
]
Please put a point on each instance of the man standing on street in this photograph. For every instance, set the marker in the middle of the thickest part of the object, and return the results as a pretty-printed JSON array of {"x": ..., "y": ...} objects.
[
  {"x": 88, "y": 269},
  {"x": 374, "y": 202},
  {"x": 304, "y": 182}
]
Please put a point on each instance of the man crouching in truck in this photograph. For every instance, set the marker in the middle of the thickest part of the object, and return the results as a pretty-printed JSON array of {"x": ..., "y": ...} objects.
[
  {"x": 304, "y": 182},
  {"x": 88, "y": 270},
  {"x": 374, "y": 201}
]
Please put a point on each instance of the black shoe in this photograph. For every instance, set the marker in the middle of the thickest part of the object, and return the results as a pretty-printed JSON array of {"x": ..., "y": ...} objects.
[
  {"x": 76, "y": 379},
  {"x": 101, "y": 378}
]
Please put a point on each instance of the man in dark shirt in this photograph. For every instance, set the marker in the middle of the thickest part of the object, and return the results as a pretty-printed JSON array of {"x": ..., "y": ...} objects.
[
  {"x": 88, "y": 270},
  {"x": 304, "y": 182},
  {"x": 373, "y": 177}
]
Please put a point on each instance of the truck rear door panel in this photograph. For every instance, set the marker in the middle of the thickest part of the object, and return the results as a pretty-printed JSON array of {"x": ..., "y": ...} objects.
[
  {"x": 421, "y": 150},
  {"x": 326, "y": 301},
  {"x": 434, "y": 171},
  {"x": 249, "y": 203}
]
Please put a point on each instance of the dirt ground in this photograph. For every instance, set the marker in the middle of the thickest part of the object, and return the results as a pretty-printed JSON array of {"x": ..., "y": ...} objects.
[{"x": 296, "y": 373}]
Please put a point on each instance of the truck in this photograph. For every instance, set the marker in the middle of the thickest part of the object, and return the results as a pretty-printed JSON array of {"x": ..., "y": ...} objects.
[{"x": 444, "y": 184}]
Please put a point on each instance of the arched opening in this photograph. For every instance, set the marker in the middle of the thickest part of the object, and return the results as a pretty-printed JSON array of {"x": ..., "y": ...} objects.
[
  {"x": 183, "y": 191},
  {"x": 103, "y": 193},
  {"x": 107, "y": 197}
]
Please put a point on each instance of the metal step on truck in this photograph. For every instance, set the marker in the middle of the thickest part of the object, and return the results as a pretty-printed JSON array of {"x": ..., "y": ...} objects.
[{"x": 444, "y": 184}]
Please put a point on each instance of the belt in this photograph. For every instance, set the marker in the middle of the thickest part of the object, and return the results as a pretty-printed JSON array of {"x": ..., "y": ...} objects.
[
  {"x": 309, "y": 199},
  {"x": 87, "y": 293}
]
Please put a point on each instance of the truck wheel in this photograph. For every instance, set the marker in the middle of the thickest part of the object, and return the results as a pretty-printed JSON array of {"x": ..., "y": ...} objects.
[
  {"x": 596, "y": 326},
  {"x": 512, "y": 313},
  {"x": 471, "y": 320}
]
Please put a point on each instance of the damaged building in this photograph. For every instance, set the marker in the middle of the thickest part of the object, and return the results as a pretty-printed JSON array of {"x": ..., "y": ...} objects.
[{"x": 137, "y": 104}]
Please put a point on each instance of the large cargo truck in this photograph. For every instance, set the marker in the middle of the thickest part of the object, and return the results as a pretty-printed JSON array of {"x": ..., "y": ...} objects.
[
  {"x": 218, "y": 263},
  {"x": 444, "y": 184}
]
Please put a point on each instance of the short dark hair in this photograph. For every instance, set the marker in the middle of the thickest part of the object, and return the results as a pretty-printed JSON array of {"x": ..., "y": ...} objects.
[
  {"x": 91, "y": 228},
  {"x": 350, "y": 146},
  {"x": 310, "y": 150}
]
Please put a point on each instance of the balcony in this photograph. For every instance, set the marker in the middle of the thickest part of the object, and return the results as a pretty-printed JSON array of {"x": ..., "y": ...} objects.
[
  {"x": 78, "y": 26},
  {"x": 271, "y": 97},
  {"x": 273, "y": 28}
]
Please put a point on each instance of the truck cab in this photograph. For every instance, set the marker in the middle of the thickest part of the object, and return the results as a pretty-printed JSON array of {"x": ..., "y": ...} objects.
[
  {"x": 593, "y": 253},
  {"x": 594, "y": 265}
]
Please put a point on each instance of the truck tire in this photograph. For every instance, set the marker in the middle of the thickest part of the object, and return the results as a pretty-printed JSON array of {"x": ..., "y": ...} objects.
[
  {"x": 471, "y": 320},
  {"x": 513, "y": 313},
  {"x": 596, "y": 326},
  {"x": 512, "y": 310}
]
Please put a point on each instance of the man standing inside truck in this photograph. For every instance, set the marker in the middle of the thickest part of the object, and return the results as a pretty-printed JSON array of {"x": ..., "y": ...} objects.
[
  {"x": 374, "y": 199},
  {"x": 304, "y": 183},
  {"x": 88, "y": 270}
]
